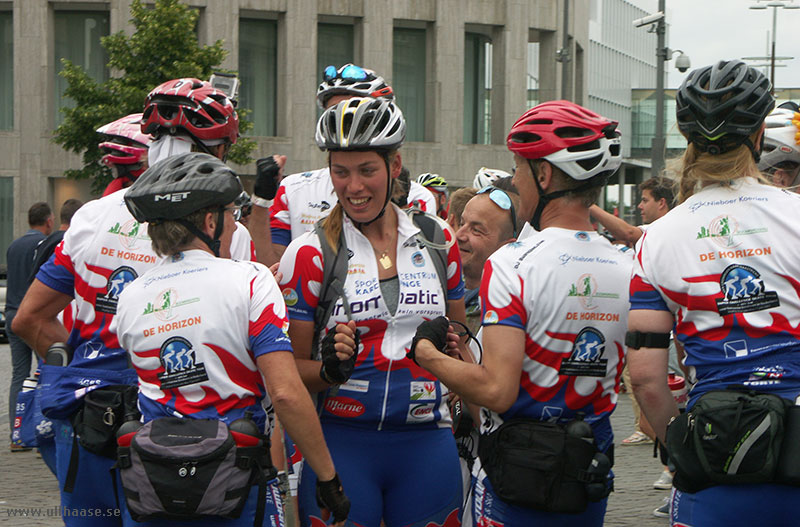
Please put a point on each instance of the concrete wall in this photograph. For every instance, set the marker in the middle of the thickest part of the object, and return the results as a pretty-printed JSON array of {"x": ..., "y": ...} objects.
[{"x": 28, "y": 155}]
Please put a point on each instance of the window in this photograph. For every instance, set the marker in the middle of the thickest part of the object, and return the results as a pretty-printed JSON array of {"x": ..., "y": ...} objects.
[
  {"x": 334, "y": 46},
  {"x": 533, "y": 74},
  {"x": 258, "y": 70},
  {"x": 6, "y": 71},
  {"x": 6, "y": 216},
  {"x": 409, "y": 78},
  {"x": 77, "y": 39},
  {"x": 477, "y": 89}
]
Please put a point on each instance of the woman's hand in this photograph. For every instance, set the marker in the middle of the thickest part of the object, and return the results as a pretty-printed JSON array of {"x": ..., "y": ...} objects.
[{"x": 339, "y": 350}]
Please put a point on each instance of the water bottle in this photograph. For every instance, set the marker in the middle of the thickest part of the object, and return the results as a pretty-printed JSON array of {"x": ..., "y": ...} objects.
[
  {"x": 58, "y": 354},
  {"x": 245, "y": 431},
  {"x": 677, "y": 385},
  {"x": 580, "y": 428},
  {"x": 30, "y": 384}
]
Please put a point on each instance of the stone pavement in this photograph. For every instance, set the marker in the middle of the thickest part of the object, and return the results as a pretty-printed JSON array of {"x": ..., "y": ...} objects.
[{"x": 25, "y": 482}]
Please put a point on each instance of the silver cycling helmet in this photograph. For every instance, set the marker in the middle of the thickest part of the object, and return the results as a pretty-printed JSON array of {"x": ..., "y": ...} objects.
[
  {"x": 487, "y": 176},
  {"x": 780, "y": 148},
  {"x": 361, "y": 123}
]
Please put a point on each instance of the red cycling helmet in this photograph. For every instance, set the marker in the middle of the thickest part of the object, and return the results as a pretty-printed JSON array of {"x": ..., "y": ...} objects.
[
  {"x": 193, "y": 106},
  {"x": 125, "y": 144},
  {"x": 578, "y": 141}
]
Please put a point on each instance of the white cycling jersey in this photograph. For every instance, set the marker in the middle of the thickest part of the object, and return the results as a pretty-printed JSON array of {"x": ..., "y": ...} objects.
[
  {"x": 568, "y": 291},
  {"x": 387, "y": 390},
  {"x": 194, "y": 326},
  {"x": 422, "y": 198}
]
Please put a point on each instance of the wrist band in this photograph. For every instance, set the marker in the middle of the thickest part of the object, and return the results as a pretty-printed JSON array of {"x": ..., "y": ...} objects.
[{"x": 260, "y": 202}]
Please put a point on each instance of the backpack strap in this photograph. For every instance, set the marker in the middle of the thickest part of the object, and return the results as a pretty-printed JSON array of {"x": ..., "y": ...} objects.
[
  {"x": 432, "y": 231},
  {"x": 334, "y": 275}
]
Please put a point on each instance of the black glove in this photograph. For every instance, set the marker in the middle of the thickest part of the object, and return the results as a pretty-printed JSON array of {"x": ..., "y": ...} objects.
[
  {"x": 434, "y": 330},
  {"x": 330, "y": 495},
  {"x": 267, "y": 171},
  {"x": 333, "y": 370}
]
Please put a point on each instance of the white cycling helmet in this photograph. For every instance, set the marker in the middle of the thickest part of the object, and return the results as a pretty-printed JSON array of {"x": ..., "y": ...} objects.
[
  {"x": 487, "y": 176},
  {"x": 361, "y": 123},
  {"x": 780, "y": 149},
  {"x": 354, "y": 81}
]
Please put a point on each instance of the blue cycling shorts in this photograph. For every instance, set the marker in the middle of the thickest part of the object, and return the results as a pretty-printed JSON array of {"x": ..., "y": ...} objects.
[{"x": 726, "y": 505}]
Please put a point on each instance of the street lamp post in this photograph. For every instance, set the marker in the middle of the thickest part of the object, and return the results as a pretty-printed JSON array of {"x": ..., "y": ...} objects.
[{"x": 774, "y": 4}]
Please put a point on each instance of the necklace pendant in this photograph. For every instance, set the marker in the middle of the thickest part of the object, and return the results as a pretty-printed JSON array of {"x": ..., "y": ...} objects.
[{"x": 385, "y": 261}]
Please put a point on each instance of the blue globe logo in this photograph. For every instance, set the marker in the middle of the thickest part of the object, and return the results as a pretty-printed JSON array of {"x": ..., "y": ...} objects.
[{"x": 589, "y": 345}]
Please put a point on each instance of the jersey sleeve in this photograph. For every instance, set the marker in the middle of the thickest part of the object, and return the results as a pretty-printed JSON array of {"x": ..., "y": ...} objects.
[
  {"x": 455, "y": 281},
  {"x": 302, "y": 269},
  {"x": 268, "y": 325},
  {"x": 642, "y": 292},
  {"x": 280, "y": 221},
  {"x": 501, "y": 295},
  {"x": 242, "y": 247}
]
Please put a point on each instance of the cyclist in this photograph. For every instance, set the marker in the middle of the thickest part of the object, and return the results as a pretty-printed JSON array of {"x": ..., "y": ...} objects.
[
  {"x": 554, "y": 310},
  {"x": 306, "y": 197},
  {"x": 125, "y": 149},
  {"x": 720, "y": 269},
  {"x": 190, "y": 115},
  {"x": 377, "y": 405},
  {"x": 242, "y": 335},
  {"x": 437, "y": 185},
  {"x": 781, "y": 156}
]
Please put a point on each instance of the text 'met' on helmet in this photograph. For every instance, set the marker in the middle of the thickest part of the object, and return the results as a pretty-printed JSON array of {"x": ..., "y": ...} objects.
[
  {"x": 361, "y": 123},
  {"x": 180, "y": 185},
  {"x": 192, "y": 106},
  {"x": 354, "y": 81},
  {"x": 580, "y": 142}
]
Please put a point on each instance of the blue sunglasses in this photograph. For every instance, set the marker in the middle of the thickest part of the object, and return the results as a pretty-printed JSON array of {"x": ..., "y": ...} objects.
[
  {"x": 501, "y": 198},
  {"x": 351, "y": 73}
]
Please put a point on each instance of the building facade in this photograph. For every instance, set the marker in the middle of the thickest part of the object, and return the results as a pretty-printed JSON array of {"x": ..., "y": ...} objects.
[{"x": 462, "y": 71}]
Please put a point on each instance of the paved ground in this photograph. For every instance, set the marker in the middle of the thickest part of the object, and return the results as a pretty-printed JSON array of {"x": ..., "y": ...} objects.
[{"x": 25, "y": 482}]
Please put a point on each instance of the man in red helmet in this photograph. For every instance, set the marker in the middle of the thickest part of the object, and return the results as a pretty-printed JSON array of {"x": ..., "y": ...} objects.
[{"x": 554, "y": 319}]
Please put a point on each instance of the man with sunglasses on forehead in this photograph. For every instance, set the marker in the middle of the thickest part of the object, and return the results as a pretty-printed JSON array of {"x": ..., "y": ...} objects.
[{"x": 554, "y": 320}]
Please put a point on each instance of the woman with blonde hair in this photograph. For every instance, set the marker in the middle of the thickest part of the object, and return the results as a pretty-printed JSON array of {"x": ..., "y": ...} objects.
[{"x": 721, "y": 269}]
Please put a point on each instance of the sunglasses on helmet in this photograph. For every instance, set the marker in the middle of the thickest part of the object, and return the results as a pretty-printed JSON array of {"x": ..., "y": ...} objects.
[
  {"x": 501, "y": 198},
  {"x": 351, "y": 73}
]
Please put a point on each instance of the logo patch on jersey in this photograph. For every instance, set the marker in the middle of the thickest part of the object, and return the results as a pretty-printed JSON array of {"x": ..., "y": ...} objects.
[
  {"x": 723, "y": 231},
  {"x": 587, "y": 355},
  {"x": 490, "y": 317},
  {"x": 765, "y": 376},
  {"x": 344, "y": 407},
  {"x": 552, "y": 413},
  {"x": 420, "y": 413},
  {"x": 423, "y": 391},
  {"x": 322, "y": 205},
  {"x": 165, "y": 303},
  {"x": 129, "y": 233},
  {"x": 417, "y": 259},
  {"x": 290, "y": 296},
  {"x": 582, "y": 236},
  {"x": 744, "y": 291},
  {"x": 180, "y": 364},
  {"x": 119, "y": 279},
  {"x": 585, "y": 289},
  {"x": 355, "y": 385}
]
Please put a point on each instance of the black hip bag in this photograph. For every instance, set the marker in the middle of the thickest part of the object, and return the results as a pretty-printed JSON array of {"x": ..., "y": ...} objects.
[
  {"x": 187, "y": 468},
  {"x": 728, "y": 437},
  {"x": 543, "y": 466}
]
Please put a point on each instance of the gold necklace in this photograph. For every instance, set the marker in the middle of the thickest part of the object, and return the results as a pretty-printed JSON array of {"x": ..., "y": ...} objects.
[{"x": 384, "y": 258}]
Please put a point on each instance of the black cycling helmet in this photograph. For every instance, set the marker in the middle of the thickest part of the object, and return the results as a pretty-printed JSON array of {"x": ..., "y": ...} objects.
[
  {"x": 719, "y": 107},
  {"x": 177, "y": 186}
]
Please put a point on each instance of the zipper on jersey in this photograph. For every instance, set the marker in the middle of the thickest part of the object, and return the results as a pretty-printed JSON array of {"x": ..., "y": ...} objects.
[{"x": 389, "y": 331}]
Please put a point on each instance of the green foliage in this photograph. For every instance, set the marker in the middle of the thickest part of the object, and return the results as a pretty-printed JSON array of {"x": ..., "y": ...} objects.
[{"x": 163, "y": 46}]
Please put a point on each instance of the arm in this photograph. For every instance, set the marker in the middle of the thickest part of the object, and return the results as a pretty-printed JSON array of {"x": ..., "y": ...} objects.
[
  {"x": 36, "y": 321},
  {"x": 618, "y": 227},
  {"x": 648, "y": 367},
  {"x": 259, "y": 224},
  {"x": 296, "y": 411},
  {"x": 493, "y": 384}
]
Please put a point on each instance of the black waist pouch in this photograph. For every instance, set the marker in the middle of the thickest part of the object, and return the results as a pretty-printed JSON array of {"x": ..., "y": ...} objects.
[
  {"x": 187, "y": 468},
  {"x": 538, "y": 465},
  {"x": 102, "y": 413},
  {"x": 729, "y": 436}
]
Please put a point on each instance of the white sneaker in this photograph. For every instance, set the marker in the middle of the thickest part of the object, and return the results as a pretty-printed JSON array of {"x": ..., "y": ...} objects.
[
  {"x": 663, "y": 511},
  {"x": 664, "y": 481}
]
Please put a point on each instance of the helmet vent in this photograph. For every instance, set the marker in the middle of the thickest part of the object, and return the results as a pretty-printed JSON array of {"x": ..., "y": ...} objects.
[
  {"x": 585, "y": 147},
  {"x": 347, "y": 123},
  {"x": 572, "y": 131},
  {"x": 525, "y": 137},
  {"x": 588, "y": 164}
]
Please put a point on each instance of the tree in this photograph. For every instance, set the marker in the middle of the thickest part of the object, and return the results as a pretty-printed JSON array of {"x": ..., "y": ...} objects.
[{"x": 163, "y": 46}]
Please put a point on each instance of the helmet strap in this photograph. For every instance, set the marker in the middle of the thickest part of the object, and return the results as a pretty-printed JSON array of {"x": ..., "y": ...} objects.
[
  {"x": 756, "y": 153},
  {"x": 212, "y": 243},
  {"x": 544, "y": 199}
]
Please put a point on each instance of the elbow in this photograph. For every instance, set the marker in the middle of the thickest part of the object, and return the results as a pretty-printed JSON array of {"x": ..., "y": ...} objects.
[
  {"x": 500, "y": 399},
  {"x": 22, "y": 324}
]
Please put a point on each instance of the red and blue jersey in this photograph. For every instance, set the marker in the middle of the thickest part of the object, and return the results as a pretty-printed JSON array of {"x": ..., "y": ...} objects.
[
  {"x": 726, "y": 264},
  {"x": 194, "y": 327},
  {"x": 387, "y": 390},
  {"x": 567, "y": 290}
]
